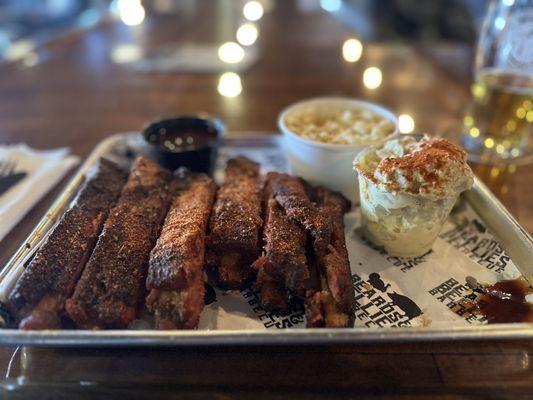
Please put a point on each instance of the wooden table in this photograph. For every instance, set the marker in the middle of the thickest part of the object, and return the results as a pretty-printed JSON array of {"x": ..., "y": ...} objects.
[{"x": 75, "y": 96}]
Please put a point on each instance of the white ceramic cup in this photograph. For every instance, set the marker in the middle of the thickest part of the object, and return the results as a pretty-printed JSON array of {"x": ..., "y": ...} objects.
[{"x": 328, "y": 164}]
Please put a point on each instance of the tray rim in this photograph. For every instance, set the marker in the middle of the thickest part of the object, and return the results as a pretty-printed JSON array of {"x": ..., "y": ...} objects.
[{"x": 300, "y": 336}]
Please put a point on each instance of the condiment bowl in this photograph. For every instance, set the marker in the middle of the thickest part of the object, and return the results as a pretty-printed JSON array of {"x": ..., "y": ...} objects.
[{"x": 184, "y": 141}]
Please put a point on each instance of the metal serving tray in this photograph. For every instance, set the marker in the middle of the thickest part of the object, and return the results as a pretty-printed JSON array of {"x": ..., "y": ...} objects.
[{"x": 513, "y": 238}]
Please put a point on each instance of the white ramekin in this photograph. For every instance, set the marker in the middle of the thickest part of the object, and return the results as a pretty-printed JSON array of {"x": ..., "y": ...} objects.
[{"x": 328, "y": 164}]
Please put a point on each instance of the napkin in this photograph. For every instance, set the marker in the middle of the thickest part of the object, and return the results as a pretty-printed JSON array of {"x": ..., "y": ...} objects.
[{"x": 45, "y": 168}]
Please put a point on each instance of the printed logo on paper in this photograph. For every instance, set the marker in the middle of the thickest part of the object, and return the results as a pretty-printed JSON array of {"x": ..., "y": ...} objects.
[
  {"x": 473, "y": 239},
  {"x": 377, "y": 304},
  {"x": 460, "y": 299},
  {"x": 295, "y": 318}
]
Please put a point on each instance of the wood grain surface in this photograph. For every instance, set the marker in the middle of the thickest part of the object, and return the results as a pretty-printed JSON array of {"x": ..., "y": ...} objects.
[{"x": 76, "y": 95}]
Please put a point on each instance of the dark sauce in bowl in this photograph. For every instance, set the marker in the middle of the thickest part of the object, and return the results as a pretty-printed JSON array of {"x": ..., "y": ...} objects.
[{"x": 187, "y": 141}]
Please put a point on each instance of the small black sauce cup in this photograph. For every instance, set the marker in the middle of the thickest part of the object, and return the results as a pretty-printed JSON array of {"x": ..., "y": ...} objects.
[{"x": 185, "y": 141}]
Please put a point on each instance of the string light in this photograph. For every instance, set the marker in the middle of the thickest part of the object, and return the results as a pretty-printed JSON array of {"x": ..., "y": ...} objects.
[
  {"x": 406, "y": 123},
  {"x": 247, "y": 34},
  {"x": 253, "y": 11},
  {"x": 231, "y": 53},
  {"x": 352, "y": 49},
  {"x": 131, "y": 12},
  {"x": 489, "y": 143},
  {"x": 372, "y": 77},
  {"x": 474, "y": 131},
  {"x": 229, "y": 84}
]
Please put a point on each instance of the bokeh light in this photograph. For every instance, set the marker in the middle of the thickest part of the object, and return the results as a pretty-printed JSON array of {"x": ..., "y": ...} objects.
[
  {"x": 331, "y": 5},
  {"x": 131, "y": 12},
  {"x": 489, "y": 143},
  {"x": 474, "y": 131},
  {"x": 231, "y": 53},
  {"x": 372, "y": 77},
  {"x": 468, "y": 120},
  {"x": 19, "y": 49},
  {"x": 499, "y": 23},
  {"x": 352, "y": 49},
  {"x": 229, "y": 84},
  {"x": 247, "y": 34},
  {"x": 253, "y": 11},
  {"x": 406, "y": 123},
  {"x": 125, "y": 53},
  {"x": 521, "y": 112}
]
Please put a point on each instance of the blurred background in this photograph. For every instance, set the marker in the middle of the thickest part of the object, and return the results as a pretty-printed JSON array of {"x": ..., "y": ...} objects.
[
  {"x": 130, "y": 61},
  {"x": 26, "y": 22}
]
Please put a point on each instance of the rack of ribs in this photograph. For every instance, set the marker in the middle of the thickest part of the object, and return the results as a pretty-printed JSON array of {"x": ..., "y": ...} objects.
[
  {"x": 330, "y": 302},
  {"x": 175, "y": 275},
  {"x": 235, "y": 224},
  {"x": 282, "y": 270},
  {"x": 38, "y": 298},
  {"x": 111, "y": 285}
]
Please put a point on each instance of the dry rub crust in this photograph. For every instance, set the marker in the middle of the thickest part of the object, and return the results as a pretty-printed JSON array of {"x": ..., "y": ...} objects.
[
  {"x": 39, "y": 295},
  {"x": 283, "y": 268},
  {"x": 336, "y": 261},
  {"x": 291, "y": 194},
  {"x": 332, "y": 304},
  {"x": 111, "y": 286},
  {"x": 175, "y": 276},
  {"x": 235, "y": 224}
]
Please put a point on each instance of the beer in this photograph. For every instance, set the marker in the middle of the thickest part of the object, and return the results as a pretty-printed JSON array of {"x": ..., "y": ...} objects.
[{"x": 501, "y": 118}]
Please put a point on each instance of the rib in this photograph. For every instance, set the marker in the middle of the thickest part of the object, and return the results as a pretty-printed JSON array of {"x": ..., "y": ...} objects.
[
  {"x": 282, "y": 270},
  {"x": 336, "y": 261},
  {"x": 235, "y": 224},
  {"x": 314, "y": 307},
  {"x": 331, "y": 303},
  {"x": 111, "y": 286},
  {"x": 38, "y": 298},
  {"x": 175, "y": 276},
  {"x": 291, "y": 194}
]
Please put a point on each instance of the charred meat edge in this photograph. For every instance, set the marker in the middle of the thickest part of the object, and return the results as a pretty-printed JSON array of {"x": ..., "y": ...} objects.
[
  {"x": 112, "y": 284},
  {"x": 175, "y": 276},
  {"x": 291, "y": 194},
  {"x": 330, "y": 302},
  {"x": 235, "y": 224},
  {"x": 282, "y": 271},
  {"x": 38, "y": 298}
]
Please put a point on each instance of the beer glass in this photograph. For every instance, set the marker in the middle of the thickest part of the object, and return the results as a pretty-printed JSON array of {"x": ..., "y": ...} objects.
[{"x": 500, "y": 121}]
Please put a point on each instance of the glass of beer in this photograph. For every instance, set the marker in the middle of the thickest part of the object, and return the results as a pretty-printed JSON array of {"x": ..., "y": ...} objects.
[{"x": 500, "y": 122}]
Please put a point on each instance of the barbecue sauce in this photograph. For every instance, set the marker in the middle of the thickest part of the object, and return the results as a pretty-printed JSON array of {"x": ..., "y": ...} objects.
[
  {"x": 505, "y": 302},
  {"x": 179, "y": 142},
  {"x": 183, "y": 142}
]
